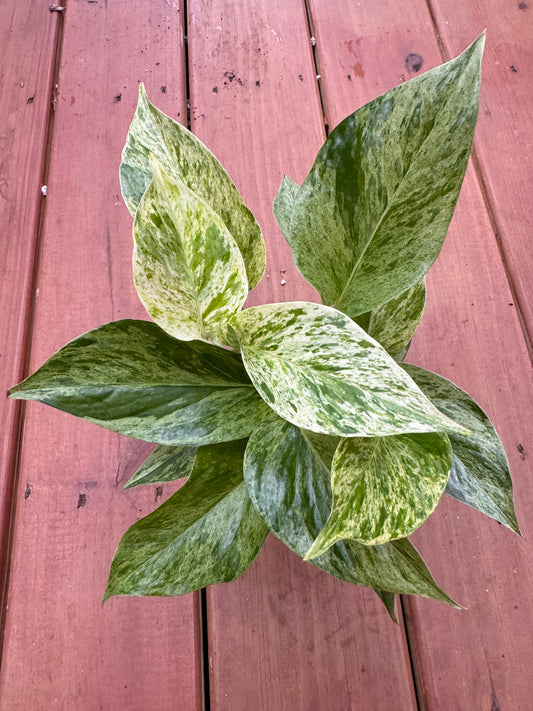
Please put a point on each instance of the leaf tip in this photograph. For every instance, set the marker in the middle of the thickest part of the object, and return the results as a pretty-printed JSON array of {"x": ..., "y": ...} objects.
[
  {"x": 143, "y": 96},
  {"x": 17, "y": 393}
]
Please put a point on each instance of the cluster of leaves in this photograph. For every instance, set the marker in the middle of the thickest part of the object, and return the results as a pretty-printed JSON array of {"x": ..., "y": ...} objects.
[{"x": 294, "y": 418}]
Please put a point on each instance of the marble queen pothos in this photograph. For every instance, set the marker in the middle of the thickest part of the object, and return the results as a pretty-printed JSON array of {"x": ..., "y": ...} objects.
[{"x": 299, "y": 419}]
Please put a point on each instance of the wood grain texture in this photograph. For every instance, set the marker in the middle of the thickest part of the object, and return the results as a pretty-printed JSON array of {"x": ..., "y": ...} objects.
[
  {"x": 28, "y": 36},
  {"x": 470, "y": 333},
  {"x": 62, "y": 649},
  {"x": 285, "y": 636}
]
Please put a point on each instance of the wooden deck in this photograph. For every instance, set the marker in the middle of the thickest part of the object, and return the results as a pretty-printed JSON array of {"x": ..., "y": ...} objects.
[{"x": 285, "y": 637}]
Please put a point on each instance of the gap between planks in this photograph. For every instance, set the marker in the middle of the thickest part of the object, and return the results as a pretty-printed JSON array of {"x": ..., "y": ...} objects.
[
  {"x": 316, "y": 62},
  {"x": 489, "y": 206},
  {"x": 14, "y": 458}
]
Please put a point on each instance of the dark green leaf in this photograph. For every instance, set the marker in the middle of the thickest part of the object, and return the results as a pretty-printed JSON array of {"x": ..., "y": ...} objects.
[
  {"x": 187, "y": 268},
  {"x": 480, "y": 473},
  {"x": 388, "y": 599},
  {"x": 207, "y": 532},
  {"x": 132, "y": 378},
  {"x": 184, "y": 158},
  {"x": 393, "y": 325},
  {"x": 384, "y": 488},
  {"x": 317, "y": 369},
  {"x": 166, "y": 463},
  {"x": 289, "y": 484},
  {"x": 371, "y": 216}
]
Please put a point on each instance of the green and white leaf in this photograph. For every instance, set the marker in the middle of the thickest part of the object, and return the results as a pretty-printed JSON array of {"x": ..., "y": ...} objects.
[
  {"x": 393, "y": 325},
  {"x": 165, "y": 463},
  {"x": 480, "y": 473},
  {"x": 187, "y": 268},
  {"x": 133, "y": 378},
  {"x": 289, "y": 484},
  {"x": 319, "y": 370},
  {"x": 207, "y": 532},
  {"x": 371, "y": 216},
  {"x": 185, "y": 159},
  {"x": 384, "y": 488},
  {"x": 284, "y": 203}
]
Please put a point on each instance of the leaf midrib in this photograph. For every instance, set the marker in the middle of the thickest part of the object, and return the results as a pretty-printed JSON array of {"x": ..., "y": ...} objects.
[
  {"x": 365, "y": 391},
  {"x": 136, "y": 386},
  {"x": 386, "y": 211},
  {"x": 176, "y": 538}
]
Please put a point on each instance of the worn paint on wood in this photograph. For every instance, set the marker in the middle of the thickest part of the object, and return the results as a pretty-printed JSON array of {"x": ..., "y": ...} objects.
[
  {"x": 62, "y": 649},
  {"x": 504, "y": 140},
  {"x": 285, "y": 636},
  {"x": 28, "y": 38},
  {"x": 471, "y": 334}
]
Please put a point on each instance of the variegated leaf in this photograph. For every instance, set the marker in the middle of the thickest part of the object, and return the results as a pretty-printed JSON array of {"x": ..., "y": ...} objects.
[
  {"x": 187, "y": 268},
  {"x": 480, "y": 472},
  {"x": 185, "y": 159},
  {"x": 393, "y": 324},
  {"x": 132, "y": 378},
  {"x": 288, "y": 479},
  {"x": 207, "y": 532},
  {"x": 284, "y": 203},
  {"x": 165, "y": 463},
  {"x": 319, "y": 370},
  {"x": 384, "y": 488},
  {"x": 371, "y": 216}
]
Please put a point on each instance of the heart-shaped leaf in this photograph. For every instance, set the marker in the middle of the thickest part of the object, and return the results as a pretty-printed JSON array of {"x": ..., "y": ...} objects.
[
  {"x": 371, "y": 216},
  {"x": 288, "y": 480},
  {"x": 132, "y": 378},
  {"x": 185, "y": 159},
  {"x": 480, "y": 472},
  {"x": 207, "y": 532},
  {"x": 187, "y": 268},
  {"x": 319, "y": 370},
  {"x": 384, "y": 488},
  {"x": 165, "y": 463},
  {"x": 393, "y": 324}
]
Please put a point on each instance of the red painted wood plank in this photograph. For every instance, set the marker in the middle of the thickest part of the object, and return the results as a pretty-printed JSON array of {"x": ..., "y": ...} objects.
[
  {"x": 477, "y": 659},
  {"x": 62, "y": 649},
  {"x": 285, "y": 636},
  {"x": 504, "y": 139},
  {"x": 28, "y": 36}
]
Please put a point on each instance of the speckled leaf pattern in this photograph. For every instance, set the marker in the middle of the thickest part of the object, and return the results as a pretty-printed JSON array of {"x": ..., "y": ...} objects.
[
  {"x": 187, "y": 268},
  {"x": 185, "y": 159},
  {"x": 319, "y": 370},
  {"x": 384, "y": 488},
  {"x": 165, "y": 463},
  {"x": 480, "y": 472},
  {"x": 288, "y": 479},
  {"x": 393, "y": 325},
  {"x": 371, "y": 216},
  {"x": 207, "y": 532},
  {"x": 284, "y": 203},
  {"x": 131, "y": 377}
]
